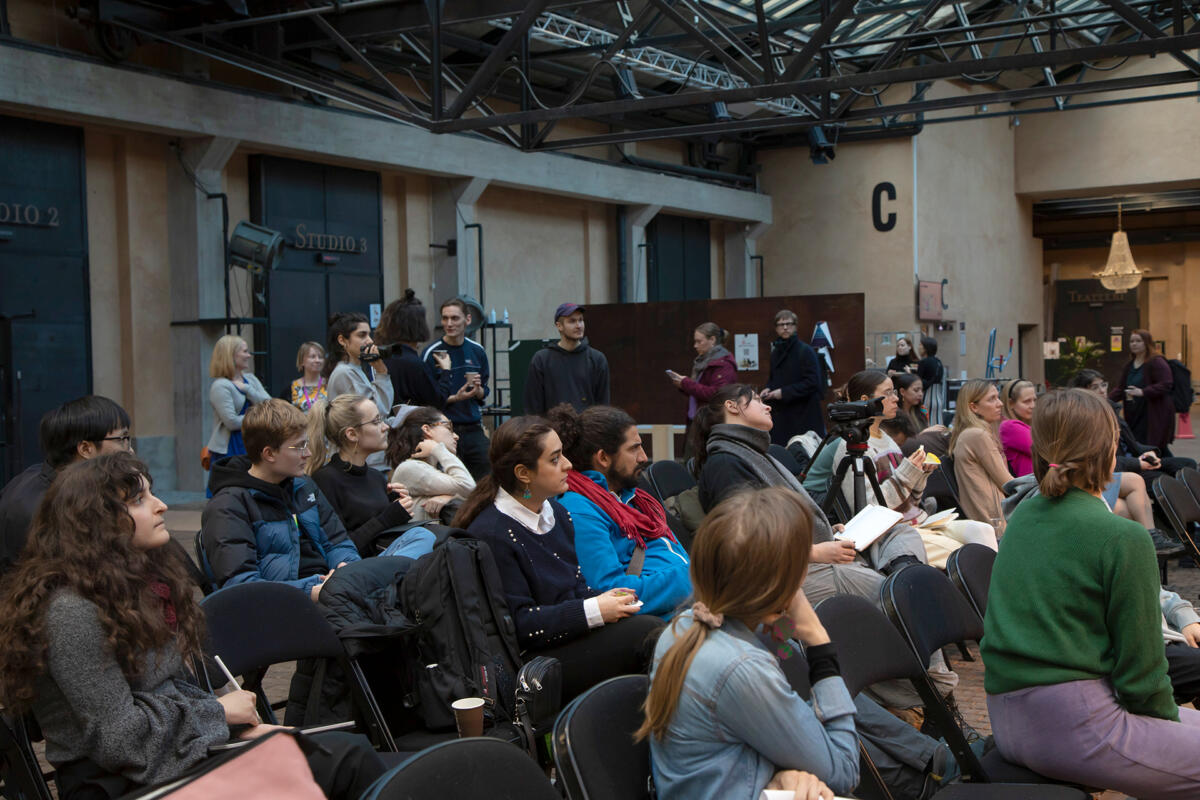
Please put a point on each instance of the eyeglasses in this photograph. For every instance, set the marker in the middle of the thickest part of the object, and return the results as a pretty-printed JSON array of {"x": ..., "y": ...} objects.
[
  {"x": 377, "y": 421},
  {"x": 126, "y": 440},
  {"x": 890, "y": 393},
  {"x": 785, "y": 324},
  {"x": 445, "y": 423},
  {"x": 299, "y": 448}
]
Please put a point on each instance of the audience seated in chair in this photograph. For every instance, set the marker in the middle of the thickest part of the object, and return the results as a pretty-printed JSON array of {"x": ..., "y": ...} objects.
[
  {"x": 83, "y": 428},
  {"x": 595, "y": 635},
  {"x": 424, "y": 452},
  {"x": 979, "y": 464},
  {"x": 721, "y": 717},
  {"x": 1101, "y": 710},
  {"x": 367, "y": 504},
  {"x": 97, "y": 628},
  {"x": 613, "y": 518},
  {"x": 734, "y": 426},
  {"x": 267, "y": 521},
  {"x": 902, "y": 479}
]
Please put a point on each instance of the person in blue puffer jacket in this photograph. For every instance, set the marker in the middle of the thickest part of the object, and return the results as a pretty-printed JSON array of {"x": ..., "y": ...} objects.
[
  {"x": 267, "y": 521},
  {"x": 613, "y": 517}
]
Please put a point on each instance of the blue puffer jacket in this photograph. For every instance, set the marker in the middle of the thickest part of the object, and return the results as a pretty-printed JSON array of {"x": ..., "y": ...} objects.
[{"x": 251, "y": 529}]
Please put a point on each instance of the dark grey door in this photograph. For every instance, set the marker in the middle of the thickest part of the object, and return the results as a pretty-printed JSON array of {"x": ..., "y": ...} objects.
[
  {"x": 44, "y": 293},
  {"x": 331, "y": 219},
  {"x": 679, "y": 259}
]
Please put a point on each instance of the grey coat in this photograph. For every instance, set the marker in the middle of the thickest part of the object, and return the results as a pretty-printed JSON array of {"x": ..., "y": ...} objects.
[
  {"x": 148, "y": 730},
  {"x": 227, "y": 401}
]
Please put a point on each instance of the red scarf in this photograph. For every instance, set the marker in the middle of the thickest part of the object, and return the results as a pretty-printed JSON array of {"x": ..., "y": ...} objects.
[
  {"x": 163, "y": 592},
  {"x": 641, "y": 520}
]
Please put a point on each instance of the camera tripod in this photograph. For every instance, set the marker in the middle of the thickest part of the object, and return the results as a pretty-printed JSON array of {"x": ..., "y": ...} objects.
[{"x": 856, "y": 460}]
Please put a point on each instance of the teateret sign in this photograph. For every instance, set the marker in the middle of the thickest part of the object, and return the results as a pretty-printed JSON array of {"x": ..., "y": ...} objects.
[{"x": 304, "y": 239}]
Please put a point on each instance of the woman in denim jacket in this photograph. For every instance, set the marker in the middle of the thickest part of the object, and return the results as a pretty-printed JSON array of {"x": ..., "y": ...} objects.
[{"x": 723, "y": 721}]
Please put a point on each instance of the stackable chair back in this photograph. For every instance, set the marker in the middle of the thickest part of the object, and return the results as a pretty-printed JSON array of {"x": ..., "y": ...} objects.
[
  {"x": 869, "y": 647},
  {"x": 255, "y": 625},
  {"x": 195, "y": 574},
  {"x": 1190, "y": 479},
  {"x": 20, "y": 775},
  {"x": 466, "y": 769},
  {"x": 784, "y": 456},
  {"x": 593, "y": 742},
  {"x": 205, "y": 568},
  {"x": 938, "y": 487},
  {"x": 667, "y": 479},
  {"x": 970, "y": 570},
  {"x": 1181, "y": 509},
  {"x": 945, "y": 472},
  {"x": 930, "y": 613}
]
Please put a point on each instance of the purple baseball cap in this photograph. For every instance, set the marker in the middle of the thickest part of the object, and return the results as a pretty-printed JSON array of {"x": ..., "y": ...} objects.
[{"x": 567, "y": 309}]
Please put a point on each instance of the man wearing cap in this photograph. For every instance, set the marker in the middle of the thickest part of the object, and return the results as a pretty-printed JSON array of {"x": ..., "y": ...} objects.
[{"x": 567, "y": 371}]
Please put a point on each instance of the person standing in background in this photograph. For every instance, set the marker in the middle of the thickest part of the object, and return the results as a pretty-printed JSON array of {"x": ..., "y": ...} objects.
[
  {"x": 568, "y": 371},
  {"x": 933, "y": 376},
  {"x": 403, "y": 324},
  {"x": 1145, "y": 391},
  {"x": 906, "y": 358},
  {"x": 795, "y": 386},
  {"x": 234, "y": 390},
  {"x": 713, "y": 368},
  {"x": 310, "y": 386},
  {"x": 469, "y": 379}
]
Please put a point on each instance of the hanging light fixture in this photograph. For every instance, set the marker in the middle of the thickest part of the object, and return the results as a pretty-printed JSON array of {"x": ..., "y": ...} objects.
[{"x": 1120, "y": 274}]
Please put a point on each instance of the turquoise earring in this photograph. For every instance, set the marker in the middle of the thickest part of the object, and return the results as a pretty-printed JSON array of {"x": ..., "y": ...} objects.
[{"x": 526, "y": 495}]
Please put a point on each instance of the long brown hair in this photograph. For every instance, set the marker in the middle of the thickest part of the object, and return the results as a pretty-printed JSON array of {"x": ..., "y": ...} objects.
[
  {"x": 1074, "y": 441},
  {"x": 82, "y": 541},
  {"x": 749, "y": 558},
  {"x": 520, "y": 440}
]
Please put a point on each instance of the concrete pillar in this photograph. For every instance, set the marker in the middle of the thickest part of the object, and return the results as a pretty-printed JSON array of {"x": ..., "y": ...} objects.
[
  {"x": 197, "y": 255},
  {"x": 741, "y": 270},
  {"x": 637, "y": 276},
  {"x": 453, "y": 209}
]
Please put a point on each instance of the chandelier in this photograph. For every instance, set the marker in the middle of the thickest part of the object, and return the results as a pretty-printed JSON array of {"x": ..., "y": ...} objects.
[{"x": 1120, "y": 274}]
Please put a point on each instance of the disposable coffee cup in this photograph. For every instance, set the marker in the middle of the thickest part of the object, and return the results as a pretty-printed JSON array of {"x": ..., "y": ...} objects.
[
  {"x": 468, "y": 715},
  {"x": 471, "y": 377}
]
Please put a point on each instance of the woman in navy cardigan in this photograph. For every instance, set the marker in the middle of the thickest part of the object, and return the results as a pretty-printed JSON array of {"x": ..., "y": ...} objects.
[{"x": 595, "y": 635}]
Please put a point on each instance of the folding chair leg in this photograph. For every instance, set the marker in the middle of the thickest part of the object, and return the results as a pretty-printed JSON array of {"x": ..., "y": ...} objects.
[{"x": 964, "y": 652}]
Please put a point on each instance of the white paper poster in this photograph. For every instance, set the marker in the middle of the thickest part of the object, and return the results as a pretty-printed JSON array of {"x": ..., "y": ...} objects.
[{"x": 745, "y": 350}]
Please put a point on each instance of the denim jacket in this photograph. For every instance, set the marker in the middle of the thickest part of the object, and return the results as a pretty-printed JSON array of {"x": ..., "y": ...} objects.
[{"x": 739, "y": 721}]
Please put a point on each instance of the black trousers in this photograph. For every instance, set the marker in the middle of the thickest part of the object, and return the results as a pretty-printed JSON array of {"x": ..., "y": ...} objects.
[
  {"x": 624, "y": 647},
  {"x": 1183, "y": 668},
  {"x": 473, "y": 448}
]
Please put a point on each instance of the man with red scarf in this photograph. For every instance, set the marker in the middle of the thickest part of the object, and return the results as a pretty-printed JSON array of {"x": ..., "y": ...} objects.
[{"x": 621, "y": 533}]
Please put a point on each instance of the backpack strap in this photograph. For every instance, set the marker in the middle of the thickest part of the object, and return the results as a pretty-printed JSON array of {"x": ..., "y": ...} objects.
[{"x": 636, "y": 561}]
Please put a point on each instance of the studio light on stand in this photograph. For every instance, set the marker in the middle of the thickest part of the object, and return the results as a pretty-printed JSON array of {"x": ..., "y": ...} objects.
[
  {"x": 255, "y": 248},
  {"x": 1120, "y": 274}
]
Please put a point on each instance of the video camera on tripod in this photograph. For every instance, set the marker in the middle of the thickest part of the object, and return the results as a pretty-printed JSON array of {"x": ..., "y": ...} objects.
[{"x": 851, "y": 422}]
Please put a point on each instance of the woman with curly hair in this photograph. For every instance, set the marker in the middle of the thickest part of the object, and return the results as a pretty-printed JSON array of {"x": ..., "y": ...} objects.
[{"x": 98, "y": 627}]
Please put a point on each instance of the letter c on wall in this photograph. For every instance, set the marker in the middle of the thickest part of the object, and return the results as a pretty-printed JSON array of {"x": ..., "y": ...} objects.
[{"x": 881, "y": 224}]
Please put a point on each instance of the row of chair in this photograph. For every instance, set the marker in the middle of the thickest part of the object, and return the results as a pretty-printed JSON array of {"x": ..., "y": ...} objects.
[{"x": 1179, "y": 500}]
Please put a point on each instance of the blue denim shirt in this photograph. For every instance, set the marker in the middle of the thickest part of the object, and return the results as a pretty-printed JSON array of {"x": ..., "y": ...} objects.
[{"x": 739, "y": 721}]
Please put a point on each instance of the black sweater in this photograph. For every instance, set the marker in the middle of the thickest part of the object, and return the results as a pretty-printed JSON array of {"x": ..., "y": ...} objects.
[
  {"x": 359, "y": 495},
  {"x": 542, "y": 580},
  {"x": 412, "y": 382}
]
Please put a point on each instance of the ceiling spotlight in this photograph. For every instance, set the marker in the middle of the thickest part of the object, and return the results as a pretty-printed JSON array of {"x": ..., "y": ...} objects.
[{"x": 820, "y": 149}]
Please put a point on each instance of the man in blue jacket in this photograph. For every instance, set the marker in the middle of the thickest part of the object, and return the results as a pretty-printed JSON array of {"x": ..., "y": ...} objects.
[
  {"x": 621, "y": 533},
  {"x": 267, "y": 520},
  {"x": 469, "y": 381}
]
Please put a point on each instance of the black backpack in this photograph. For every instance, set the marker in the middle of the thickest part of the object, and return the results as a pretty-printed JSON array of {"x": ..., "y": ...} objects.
[
  {"x": 465, "y": 642},
  {"x": 1182, "y": 393}
]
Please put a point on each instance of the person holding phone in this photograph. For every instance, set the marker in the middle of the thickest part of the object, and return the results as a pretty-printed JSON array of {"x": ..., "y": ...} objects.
[
  {"x": 713, "y": 368},
  {"x": 1145, "y": 392},
  {"x": 469, "y": 380}
]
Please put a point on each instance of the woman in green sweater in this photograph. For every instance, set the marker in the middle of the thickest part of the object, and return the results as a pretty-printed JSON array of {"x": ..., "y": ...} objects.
[{"x": 1075, "y": 673}]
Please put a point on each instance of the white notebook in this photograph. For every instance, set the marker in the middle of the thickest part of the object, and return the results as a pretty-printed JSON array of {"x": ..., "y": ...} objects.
[
  {"x": 780, "y": 794},
  {"x": 868, "y": 525}
]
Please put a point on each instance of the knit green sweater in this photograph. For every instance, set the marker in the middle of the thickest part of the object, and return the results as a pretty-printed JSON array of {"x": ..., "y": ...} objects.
[{"x": 1074, "y": 596}]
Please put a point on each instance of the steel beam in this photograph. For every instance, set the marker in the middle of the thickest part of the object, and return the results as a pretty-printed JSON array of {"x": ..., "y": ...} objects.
[
  {"x": 731, "y": 63},
  {"x": 491, "y": 64},
  {"x": 817, "y": 40},
  {"x": 1149, "y": 29},
  {"x": 838, "y": 83},
  {"x": 357, "y": 57}
]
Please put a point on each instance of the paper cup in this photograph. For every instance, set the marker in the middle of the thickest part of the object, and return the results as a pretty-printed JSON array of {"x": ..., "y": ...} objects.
[{"x": 468, "y": 714}]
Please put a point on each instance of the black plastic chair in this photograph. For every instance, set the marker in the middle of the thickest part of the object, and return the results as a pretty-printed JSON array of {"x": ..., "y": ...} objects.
[
  {"x": 970, "y": 570},
  {"x": 194, "y": 572},
  {"x": 21, "y": 776},
  {"x": 1191, "y": 479},
  {"x": 667, "y": 479},
  {"x": 930, "y": 614},
  {"x": 938, "y": 486},
  {"x": 253, "y": 626},
  {"x": 1181, "y": 509},
  {"x": 869, "y": 647},
  {"x": 593, "y": 742},
  {"x": 203, "y": 565},
  {"x": 466, "y": 769},
  {"x": 945, "y": 471},
  {"x": 785, "y": 457},
  {"x": 1010, "y": 791}
]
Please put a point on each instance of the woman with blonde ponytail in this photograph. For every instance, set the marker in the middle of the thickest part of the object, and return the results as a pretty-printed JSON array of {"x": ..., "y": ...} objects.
[
  {"x": 1073, "y": 641},
  {"x": 721, "y": 716},
  {"x": 371, "y": 508}
]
